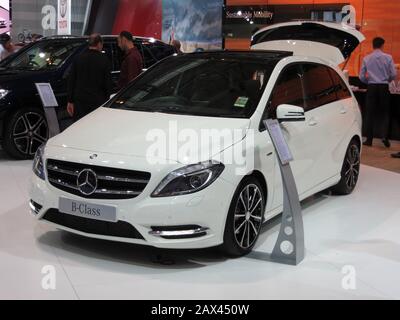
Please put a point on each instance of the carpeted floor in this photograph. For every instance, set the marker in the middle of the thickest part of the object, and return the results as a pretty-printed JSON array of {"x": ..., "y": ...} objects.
[{"x": 378, "y": 156}]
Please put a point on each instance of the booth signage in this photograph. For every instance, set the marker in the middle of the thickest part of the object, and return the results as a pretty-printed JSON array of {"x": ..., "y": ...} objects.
[
  {"x": 64, "y": 17},
  {"x": 243, "y": 14}
]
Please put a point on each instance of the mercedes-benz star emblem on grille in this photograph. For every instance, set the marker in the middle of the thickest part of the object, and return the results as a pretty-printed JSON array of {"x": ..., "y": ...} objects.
[{"x": 87, "y": 182}]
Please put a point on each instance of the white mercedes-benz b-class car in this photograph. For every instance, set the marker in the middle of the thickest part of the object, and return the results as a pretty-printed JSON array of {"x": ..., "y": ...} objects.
[{"x": 181, "y": 158}]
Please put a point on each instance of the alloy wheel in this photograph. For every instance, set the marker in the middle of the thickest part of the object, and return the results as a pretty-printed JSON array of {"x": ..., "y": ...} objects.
[
  {"x": 248, "y": 217},
  {"x": 352, "y": 166},
  {"x": 30, "y": 132}
]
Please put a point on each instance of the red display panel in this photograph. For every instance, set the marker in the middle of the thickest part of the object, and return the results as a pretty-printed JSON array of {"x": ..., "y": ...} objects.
[{"x": 143, "y": 18}]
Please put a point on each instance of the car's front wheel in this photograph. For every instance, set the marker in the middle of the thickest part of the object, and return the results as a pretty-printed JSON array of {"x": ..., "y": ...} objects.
[
  {"x": 245, "y": 218},
  {"x": 350, "y": 170},
  {"x": 25, "y": 132}
]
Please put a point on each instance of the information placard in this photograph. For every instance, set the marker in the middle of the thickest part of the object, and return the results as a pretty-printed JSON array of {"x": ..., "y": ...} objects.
[
  {"x": 289, "y": 247},
  {"x": 50, "y": 104},
  {"x": 281, "y": 146},
  {"x": 46, "y": 94}
]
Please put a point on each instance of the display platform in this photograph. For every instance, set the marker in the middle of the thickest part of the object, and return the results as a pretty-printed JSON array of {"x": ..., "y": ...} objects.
[{"x": 352, "y": 252}]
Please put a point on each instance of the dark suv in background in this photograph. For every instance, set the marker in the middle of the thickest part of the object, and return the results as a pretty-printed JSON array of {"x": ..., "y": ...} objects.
[{"x": 23, "y": 126}]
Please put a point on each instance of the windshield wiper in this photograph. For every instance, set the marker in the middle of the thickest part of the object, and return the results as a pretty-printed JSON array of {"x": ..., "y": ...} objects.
[
  {"x": 172, "y": 110},
  {"x": 157, "y": 109},
  {"x": 176, "y": 110},
  {"x": 22, "y": 68}
]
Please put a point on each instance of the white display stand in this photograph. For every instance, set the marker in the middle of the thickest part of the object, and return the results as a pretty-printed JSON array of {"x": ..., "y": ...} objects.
[
  {"x": 289, "y": 248},
  {"x": 50, "y": 104}
]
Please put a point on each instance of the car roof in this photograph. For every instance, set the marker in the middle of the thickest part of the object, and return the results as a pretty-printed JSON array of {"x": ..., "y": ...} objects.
[
  {"x": 259, "y": 55},
  {"x": 105, "y": 37}
]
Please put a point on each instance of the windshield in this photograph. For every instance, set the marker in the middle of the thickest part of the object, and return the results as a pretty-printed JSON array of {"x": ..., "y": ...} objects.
[
  {"x": 198, "y": 85},
  {"x": 42, "y": 56}
]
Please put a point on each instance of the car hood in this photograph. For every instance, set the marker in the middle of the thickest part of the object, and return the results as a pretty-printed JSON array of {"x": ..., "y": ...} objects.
[
  {"x": 11, "y": 79},
  {"x": 180, "y": 138}
]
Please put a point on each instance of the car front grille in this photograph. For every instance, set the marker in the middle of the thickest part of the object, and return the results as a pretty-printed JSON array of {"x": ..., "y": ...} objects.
[
  {"x": 119, "y": 229},
  {"x": 111, "y": 183}
]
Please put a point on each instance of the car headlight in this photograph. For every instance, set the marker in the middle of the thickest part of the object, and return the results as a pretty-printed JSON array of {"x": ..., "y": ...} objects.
[
  {"x": 38, "y": 164},
  {"x": 3, "y": 93},
  {"x": 189, "y": 179}
]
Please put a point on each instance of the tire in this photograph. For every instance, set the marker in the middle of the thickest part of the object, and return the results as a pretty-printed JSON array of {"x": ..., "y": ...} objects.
[
  {"x": 242, "y": 228},
  {"x": 350, "y": 170},
  {"x": 25, "y": 132},
  {"x": 21, "y": 37}
]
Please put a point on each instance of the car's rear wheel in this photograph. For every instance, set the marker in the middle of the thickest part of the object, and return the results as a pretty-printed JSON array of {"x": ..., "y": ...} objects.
[
  {"x": 245, "y": 218},
  {"x": 350, "y": 170},
  {"x": 25, "y": 132}
]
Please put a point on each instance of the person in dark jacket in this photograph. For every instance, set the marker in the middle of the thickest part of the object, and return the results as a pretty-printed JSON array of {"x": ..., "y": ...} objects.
[
  {"x": 132, "y": 64},
  {"x": 89, "y": 83}
]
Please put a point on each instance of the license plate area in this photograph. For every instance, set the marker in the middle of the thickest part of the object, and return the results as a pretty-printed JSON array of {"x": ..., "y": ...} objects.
[{"x": 88, "y": 210}]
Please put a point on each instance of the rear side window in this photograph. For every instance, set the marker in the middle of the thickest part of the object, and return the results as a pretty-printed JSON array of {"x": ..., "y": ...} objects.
[
  {"x": 319, "y": 87},
  {"x": 159, "y": 50},
  {"x": 117, "y": 57},
  {"x": 114, "y": 53},
  {"x": 148, "y": 58},
  {"x": 342, "y": 91},
  {"x": 107, "y": 50},
  {"x": 288, "y": 90}
]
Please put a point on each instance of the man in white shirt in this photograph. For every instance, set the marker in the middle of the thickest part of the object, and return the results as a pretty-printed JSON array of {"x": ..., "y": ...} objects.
[
  {"x": 395, "y": 89},
  {"x": 378, "y": 71},
  {"x": 394, "y": 86}
]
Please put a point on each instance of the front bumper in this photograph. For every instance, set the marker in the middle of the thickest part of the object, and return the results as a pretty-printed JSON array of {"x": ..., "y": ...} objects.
[{"x": 183, "y": 222}]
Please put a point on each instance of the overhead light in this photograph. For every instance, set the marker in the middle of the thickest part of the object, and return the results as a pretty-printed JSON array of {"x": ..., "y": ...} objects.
[
  {"x": 251, "y": 22},
  {"x": 239, "y": 13}
]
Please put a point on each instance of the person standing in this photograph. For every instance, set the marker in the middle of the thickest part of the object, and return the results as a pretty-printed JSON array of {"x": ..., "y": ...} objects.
[
  {"x": 395, "y": 90},
  {"x": 89, "y": 83},
  {"x": 378, "y": 70},
  {"x": 6, "y": 46},
  {"x": 178, "y": 46},
  {"x": 132, "y": 64}
]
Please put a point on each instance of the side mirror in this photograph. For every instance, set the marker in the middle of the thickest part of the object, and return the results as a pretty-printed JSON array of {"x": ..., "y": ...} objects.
[{"x": 290, "y": 113}]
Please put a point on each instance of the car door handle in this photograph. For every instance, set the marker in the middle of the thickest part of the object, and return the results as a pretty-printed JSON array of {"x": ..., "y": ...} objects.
[
  {"x": 343, "y": 111},
  {"x": 312, "y": 122}
]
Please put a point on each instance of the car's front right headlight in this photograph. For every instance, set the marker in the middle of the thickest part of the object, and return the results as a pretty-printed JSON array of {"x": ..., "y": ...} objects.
[
  {"x": 38, "y": 163},
  {"x": 3, "y": 93},
  {"x": 190, "y": 179}
]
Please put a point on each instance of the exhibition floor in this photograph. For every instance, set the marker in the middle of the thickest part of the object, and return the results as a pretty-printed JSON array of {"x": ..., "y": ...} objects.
[
  {"x": 360, "y": 232},
  {"x": 380, "y": 157}
]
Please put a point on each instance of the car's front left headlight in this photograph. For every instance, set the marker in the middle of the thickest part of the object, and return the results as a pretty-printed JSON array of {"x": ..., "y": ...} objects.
[
  {"x": 3, "y": 93},
  {"x": 189, "y": 179},
  {"x": 38, "y": 163}
]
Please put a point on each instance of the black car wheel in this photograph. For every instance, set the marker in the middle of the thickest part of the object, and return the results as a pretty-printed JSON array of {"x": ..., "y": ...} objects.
[
  {"x": 25, "y": 132},
  {"x": 245, "y": 218},
  {"x": 350, "y": 170}
]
